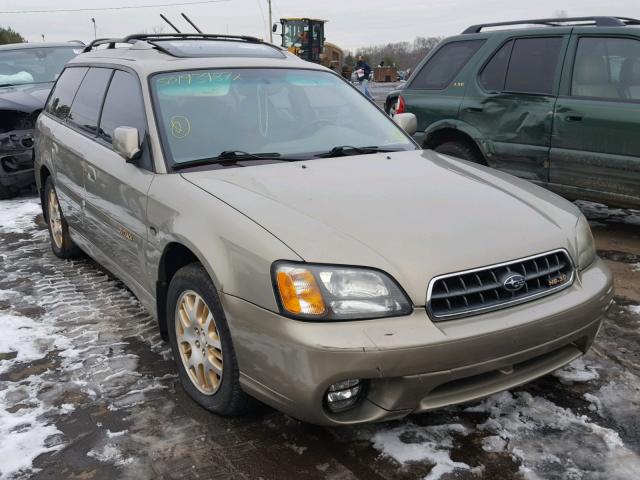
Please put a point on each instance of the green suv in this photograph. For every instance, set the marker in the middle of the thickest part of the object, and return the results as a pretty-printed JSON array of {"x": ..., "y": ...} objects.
[{"x": 557, "y": 104}]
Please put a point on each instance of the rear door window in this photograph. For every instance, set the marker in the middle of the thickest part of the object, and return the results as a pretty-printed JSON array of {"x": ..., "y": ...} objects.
[
  {"x": 534, "y": 65},
  {"x": 494, "y": 72},
  {"x": 85, "y": 109},
  {"x": 445, "y": 64},
  {"x": 65, "y": 90}
]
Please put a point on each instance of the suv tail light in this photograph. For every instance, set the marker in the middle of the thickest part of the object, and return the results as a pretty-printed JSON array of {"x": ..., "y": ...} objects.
[{"x": 400, "y": 105}]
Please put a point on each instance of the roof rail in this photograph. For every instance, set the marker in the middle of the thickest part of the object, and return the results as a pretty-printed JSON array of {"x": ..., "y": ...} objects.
[
  {"x": 151, "y": 37},
  {"x": 561, "y": 22}
]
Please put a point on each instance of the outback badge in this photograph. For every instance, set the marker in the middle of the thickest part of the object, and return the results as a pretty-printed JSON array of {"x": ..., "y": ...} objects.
[{"x": 557, "y": 280}]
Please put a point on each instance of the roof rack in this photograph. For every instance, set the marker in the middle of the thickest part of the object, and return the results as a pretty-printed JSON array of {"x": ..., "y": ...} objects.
[
  {"x": 151, "y": 37},
  {"x": 561, "y": 22}
]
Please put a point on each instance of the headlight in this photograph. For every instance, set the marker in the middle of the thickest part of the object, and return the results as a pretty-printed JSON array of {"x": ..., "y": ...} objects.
[
  {"x": 585, "y": 243},
  {"x": 318, "y": 292}
]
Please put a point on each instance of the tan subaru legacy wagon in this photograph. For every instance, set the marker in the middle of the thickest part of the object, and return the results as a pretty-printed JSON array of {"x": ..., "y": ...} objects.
[{"x": 296, "y": 245}]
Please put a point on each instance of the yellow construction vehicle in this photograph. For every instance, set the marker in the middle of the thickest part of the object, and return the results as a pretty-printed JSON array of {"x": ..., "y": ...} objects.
[{"x": 304, "y": 37}]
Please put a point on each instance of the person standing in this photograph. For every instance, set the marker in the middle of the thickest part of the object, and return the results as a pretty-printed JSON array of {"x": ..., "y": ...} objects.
[{"x": 363, "y": 72}]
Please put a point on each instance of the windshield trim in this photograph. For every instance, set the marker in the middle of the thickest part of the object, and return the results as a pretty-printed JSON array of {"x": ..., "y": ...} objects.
[{"x": 153, "y": 94}]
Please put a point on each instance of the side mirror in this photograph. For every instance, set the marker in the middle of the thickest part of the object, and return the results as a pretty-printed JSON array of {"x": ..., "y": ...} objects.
[
  {"x": 274, "y": 29},
  {"x": 127, "y": 143},
  {"x": 406, "y": 121}
]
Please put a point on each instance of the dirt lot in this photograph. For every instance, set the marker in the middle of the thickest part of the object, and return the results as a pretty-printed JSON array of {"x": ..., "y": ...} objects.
[{"x": 88, "y": 390}]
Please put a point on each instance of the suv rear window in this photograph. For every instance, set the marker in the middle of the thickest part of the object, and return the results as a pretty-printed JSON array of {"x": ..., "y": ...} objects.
[
  {"x": 65, "y": 90},
  {"x": 445, "y": 64},
  {"x": 533, "y": 65}
]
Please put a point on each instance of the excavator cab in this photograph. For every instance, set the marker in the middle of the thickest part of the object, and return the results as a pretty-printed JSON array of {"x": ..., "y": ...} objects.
[{"x": 304, "y": 37}]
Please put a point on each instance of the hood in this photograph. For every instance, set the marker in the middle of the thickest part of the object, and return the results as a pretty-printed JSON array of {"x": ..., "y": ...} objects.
[
  {"x": 25, "y": 98},
  {"x": 413, "y": 214}
]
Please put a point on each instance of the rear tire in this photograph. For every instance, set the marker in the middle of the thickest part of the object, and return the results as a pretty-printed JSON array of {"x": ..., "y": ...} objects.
[
  {"x": 61, "y": 243},
  {"x": 201, "y": 343},
  {"x": 460, "y": 150}
]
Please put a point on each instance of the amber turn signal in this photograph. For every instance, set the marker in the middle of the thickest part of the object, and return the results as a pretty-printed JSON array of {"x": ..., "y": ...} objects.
[{"x": 299, "y": 292}]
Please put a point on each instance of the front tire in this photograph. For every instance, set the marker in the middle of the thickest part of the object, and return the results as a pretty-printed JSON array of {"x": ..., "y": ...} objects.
[
  {"x": 201, "y": 343},
  {"x": 61, "y": 243},
  {"x": 459, "y": 150}
]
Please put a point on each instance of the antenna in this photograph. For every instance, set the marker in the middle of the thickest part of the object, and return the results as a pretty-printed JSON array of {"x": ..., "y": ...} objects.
[
  {"x": 191, "y": 23},
  {"x": 171, "y": 24}
]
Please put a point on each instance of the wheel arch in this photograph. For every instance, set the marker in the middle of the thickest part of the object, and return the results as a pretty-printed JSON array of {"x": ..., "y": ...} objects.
[
  {"x": 43, "y": 174},
  {"x": 453, "y": 131},
  {"x": 176, "y": 254}
]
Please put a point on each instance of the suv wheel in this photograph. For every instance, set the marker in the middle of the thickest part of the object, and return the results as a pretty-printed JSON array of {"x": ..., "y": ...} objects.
[
  {"x": 61, "y": 243},
  {"x": 201, "y": 343},
  {"x": 459, "y": 150}
]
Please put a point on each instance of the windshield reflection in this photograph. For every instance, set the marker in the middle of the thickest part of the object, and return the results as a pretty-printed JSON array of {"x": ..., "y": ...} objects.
[{"x": 295, "y": 113}]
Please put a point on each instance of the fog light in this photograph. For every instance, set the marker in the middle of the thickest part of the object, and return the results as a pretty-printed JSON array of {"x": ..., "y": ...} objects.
[{"x": 343, "y": 395}]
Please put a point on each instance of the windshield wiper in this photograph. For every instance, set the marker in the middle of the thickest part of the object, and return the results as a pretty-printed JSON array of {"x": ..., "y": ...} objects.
[
  {"x": 230, "y": 156},
  {"x": 344, "y": 150}
]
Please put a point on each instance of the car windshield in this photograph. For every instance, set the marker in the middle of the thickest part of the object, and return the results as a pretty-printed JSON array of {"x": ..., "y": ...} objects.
[
  {"x": 34, "y": 65},
  {"x": 293, "y": 113}
]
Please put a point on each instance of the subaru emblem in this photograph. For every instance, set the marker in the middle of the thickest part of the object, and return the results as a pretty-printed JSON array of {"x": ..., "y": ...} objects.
[{"x": 513, "y": 282}]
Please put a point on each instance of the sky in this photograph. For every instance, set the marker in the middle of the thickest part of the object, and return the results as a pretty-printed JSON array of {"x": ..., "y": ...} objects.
[{"x": 351, "y": 23}]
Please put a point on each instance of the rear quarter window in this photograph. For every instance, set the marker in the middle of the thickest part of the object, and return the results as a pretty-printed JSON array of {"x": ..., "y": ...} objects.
[
  {"x": 65, "y": 90},
  {"x": 494, "y": 72},
  {"x": 445, "y": 64}
]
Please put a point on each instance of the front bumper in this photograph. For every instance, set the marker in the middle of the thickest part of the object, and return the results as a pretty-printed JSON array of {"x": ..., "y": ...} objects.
[
  {"x": 16, "y": 159},
  {"x": 410, "y": 363}
]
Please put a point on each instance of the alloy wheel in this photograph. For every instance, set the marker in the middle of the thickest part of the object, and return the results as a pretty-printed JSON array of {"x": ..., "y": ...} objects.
[
  {"x": 199, "y": 342},
  {"x": 55, "y": 219}
]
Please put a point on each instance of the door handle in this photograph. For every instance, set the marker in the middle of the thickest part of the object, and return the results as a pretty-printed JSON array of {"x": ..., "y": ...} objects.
[
  {"x": 91, "y": 174},
  {"x": 573, "y": 118},
  {"x": 474, "y": 109}
]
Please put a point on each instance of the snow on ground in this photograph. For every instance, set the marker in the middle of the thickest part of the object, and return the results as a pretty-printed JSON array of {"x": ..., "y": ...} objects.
[
  {"x": 553, "y": 442},
  {"x": 410, "y": 443},
  {"x": 75, "y": 344},
  {"x": 577, "y": 371},
  {"x": 18, "y": 215},
  {"x": 25, "y": 432},
  {"x": 78, "y": 320},
  {"x": 29, "y": 339},
  {"x": 110, "y": 453}
]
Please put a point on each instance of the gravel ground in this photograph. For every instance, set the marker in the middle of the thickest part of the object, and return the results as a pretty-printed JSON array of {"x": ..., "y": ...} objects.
[{"x": 89, "y": 390}]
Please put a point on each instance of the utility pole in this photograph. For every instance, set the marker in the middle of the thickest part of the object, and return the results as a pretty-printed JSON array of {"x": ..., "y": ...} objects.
[{"x": 270, "y": 24}]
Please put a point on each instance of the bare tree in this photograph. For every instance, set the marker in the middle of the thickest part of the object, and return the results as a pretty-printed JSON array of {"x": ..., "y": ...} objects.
[{"x": 401, "y": 54}]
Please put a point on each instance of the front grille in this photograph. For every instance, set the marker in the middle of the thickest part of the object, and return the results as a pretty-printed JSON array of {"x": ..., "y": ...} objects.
[{"x": 498, "y": 286}]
